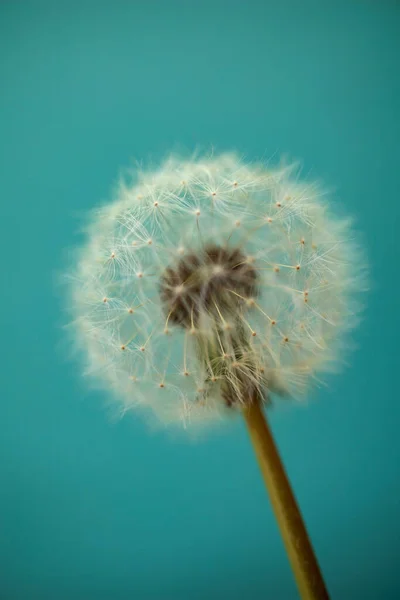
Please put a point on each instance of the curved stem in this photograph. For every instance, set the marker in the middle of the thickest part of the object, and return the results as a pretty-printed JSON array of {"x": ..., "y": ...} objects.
[{"x": 298, "y": 546}]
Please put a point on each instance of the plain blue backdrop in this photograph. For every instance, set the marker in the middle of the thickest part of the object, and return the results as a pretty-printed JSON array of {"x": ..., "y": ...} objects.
[{"x": 91, "y": 509}]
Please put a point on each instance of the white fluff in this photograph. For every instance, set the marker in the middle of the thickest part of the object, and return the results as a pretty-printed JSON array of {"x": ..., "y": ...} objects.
[{"x": 310, "y": 273}]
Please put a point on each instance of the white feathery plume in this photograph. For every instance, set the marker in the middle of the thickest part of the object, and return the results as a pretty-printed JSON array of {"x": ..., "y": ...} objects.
[{"x": 210, "y": 279}]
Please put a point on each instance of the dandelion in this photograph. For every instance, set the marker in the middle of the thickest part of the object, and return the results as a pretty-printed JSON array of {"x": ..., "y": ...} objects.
[{"x": 208, "y": 286}]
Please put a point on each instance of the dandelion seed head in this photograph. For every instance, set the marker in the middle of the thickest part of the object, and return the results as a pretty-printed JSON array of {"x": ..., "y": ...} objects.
[{"x": 255, "y": 298}]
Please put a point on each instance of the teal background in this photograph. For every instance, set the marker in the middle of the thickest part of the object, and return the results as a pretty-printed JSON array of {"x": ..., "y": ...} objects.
[{"x": 92, "y": 509}]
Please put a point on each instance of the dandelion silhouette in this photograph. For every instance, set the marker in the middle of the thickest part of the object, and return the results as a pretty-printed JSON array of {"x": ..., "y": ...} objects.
[{"x": 207, "y": 287}]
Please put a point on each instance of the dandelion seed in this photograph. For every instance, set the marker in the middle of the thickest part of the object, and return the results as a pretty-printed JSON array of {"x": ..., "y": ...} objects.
[{"x": 221, "y": 288}]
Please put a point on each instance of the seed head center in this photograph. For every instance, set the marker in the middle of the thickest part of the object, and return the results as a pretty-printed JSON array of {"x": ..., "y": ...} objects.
[{"x": 214, "y": 281}]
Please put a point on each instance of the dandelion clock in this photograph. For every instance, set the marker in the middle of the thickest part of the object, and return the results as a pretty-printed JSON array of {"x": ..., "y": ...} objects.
[{"x": 209, "y": 287}]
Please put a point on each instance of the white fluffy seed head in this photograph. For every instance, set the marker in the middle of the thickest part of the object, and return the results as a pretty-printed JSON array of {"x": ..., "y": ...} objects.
[{"x": 165, "y": 320}]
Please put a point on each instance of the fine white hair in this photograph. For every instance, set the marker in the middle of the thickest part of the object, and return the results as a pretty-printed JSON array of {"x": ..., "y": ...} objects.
[{"x": 293, "y": 328}]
